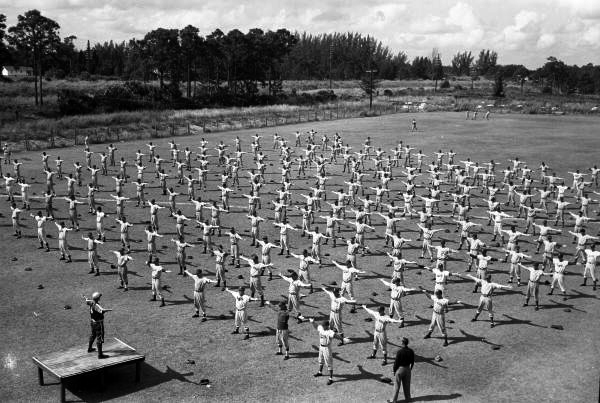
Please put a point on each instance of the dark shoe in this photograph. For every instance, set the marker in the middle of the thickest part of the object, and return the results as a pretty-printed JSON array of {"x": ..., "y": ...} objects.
[
  {"x": 329, "y": 381},
  {"x": 196, "y": 315},
  {"x": 318, "y": 374},
  {"x": 427, "y": 336}
]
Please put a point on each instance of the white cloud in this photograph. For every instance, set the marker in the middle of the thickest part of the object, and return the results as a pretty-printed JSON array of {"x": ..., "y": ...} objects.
[
  {"x": 591, "y": 36},
  {"x": 521, "y": 31},
  {"x": 588, "y": 9},
  {"x": 546, "y": 41}
]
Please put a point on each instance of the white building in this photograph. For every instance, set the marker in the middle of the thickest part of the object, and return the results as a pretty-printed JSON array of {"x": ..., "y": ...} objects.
[{"x": 17, "y": 71}]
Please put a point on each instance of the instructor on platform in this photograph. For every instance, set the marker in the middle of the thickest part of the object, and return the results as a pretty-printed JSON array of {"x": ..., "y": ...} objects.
[{"x": 97, "y": 323}]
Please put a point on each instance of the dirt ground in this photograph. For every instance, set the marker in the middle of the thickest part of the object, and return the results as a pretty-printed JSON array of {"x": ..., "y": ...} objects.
[{"x": 534, "y": 362}]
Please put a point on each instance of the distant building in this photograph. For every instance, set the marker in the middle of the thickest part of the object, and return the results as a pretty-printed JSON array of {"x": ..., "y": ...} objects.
[{"x": 17, "y": 71}]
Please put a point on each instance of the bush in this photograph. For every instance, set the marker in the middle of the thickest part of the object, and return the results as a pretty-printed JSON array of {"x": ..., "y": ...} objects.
[
  {"x": 388, "y": 93},
  {"x": 72, "y": 102},
  {"x": 445, "y": 84},
  {"x": 547, "y": 90}
]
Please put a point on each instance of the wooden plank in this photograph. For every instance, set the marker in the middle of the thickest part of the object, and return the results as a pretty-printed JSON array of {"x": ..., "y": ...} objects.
[{"x": 77, "y": 360}]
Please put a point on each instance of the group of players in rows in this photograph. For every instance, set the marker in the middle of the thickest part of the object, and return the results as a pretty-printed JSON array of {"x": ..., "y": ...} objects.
[{"x": 530, "y": 193}]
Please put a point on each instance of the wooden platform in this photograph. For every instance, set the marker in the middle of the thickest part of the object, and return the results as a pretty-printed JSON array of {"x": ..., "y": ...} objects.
[{"x": 76, "y": 361}]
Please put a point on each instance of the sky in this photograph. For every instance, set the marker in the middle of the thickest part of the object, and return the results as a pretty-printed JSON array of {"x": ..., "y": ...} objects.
[{"x": 521, "y": 31}]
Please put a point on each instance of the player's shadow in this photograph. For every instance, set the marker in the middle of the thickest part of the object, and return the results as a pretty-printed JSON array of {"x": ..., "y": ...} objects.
[
  {"x": 186, "y": 300},
  {"x": 556, "y": 305},
  {"x": 358, "y": 340},
  {"x": 516, "y": 321},
  {"x": 419, "y": 321},
  {"x": 578, "y": 294},
  {"x": 264, "y": 333},
  {"x": 119, "y": 383},
  {"x": 306, "y": 354},
  {"x": 431, "y": 398},
  {"x": 431, "y": 361},
  {"x": 469, "y": 337},
  {"x": 362, "y": 374}
]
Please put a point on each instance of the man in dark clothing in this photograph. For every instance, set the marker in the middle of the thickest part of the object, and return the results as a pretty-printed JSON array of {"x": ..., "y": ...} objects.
[
  {"x": 282, "y": 334},
  {"x": 97, "y": 323},
  {"x": 405, "y": 360}
]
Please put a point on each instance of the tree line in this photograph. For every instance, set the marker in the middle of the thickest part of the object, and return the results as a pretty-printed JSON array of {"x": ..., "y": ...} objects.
[{"x": 239, "y": 64}]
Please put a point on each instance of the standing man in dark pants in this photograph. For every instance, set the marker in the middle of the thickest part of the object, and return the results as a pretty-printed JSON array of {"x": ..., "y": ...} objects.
[
  {"x": 97, "y": 323},
  {"x": 405, "y": 360}
]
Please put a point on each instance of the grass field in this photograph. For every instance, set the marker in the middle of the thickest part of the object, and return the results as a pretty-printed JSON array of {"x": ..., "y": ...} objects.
[{"x": 534, "y": 363}]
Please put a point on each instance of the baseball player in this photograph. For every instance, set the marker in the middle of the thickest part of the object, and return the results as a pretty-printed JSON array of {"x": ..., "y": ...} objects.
[
  {"x": 485, "y": 301},
  {"x": 560, "y": 265},
  {"x": 438, "y": 317},
  {"x": 241, "y": 313},
  {"x": 199, "y": 300},
  {"x": 41, "y": 230},
  {"x": 156, "y": 272},
  {"x": 397, "y": 292},
  {"x": 294, "y": 293},
  {"x": 380, "y": 333},
  {"x": 92, "y": 249},
  {"x": 516, "y": 257},
  {"x": 220, "y": 269},
  {"x": 63, "y": 246},
  {"x": 234, "y": 239},
  {"x": 265, "y": 251},
  {"x": 124, "y": 233},
  {"x": 347, "y": 280},
  {"x": 122, "y": 259},
  {"x": 533, "y": 286},
  {"x": 326, "y": 335},
  {"x": 255, "y": 270},
  {"x": 181, "y": 256},
  {"x": 591, "y": 259},
  {"x": 335, "y": 315}
]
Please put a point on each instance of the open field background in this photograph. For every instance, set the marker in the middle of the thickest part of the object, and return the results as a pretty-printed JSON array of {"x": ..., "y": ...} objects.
[
  {"x": 534, "y": 363},
  {"x": 27, "y": 127}
]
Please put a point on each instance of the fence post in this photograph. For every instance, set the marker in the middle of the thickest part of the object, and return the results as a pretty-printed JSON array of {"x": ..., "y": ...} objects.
[
  {"x": 155, "y": 129},
  {"x": 298, "y": 116},
  {"x": 188, "y": 128},
  {"x": 266, "y": 120},
  {"x": 204, "y": 126}
]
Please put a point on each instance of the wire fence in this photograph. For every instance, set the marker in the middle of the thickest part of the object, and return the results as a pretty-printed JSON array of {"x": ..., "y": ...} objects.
[{"x": 58, "y": 136}]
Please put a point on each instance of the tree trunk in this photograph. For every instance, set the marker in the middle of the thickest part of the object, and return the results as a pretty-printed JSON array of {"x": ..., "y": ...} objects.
[
  {"x": 189, "y": 81},
  {"x": 35, "y": 73},
  {"x": 41, "y": 80}
]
